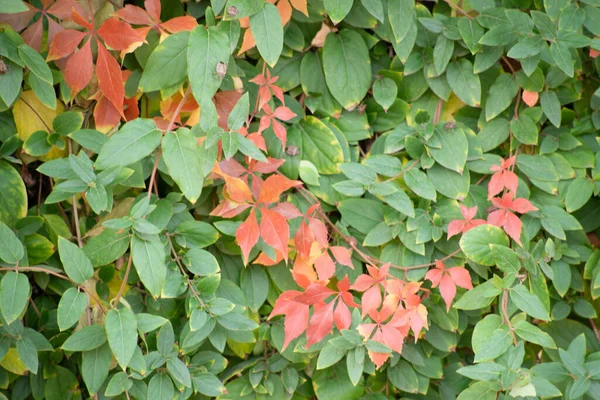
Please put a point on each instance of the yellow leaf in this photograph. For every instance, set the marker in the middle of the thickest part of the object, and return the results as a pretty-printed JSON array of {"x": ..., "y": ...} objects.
[
  {"x": 12, "y": 363},
  {"x": 32, "y": 115}
]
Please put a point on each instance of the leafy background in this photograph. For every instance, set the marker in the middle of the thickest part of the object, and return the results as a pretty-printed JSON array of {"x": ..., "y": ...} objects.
[{"x": 334, "y": 199}]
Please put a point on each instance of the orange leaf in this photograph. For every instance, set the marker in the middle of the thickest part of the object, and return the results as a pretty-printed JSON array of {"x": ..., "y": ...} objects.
[
  {"x": 530, "y": 98},
  {"x": 66, "y": 43},
  {"x": 274, "y": 186},
  {"x": 179, "y": 24}
]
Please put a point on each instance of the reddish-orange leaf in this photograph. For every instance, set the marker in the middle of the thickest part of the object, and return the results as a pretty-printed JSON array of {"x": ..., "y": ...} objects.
[
  {"x": 247, "y": 235},
  {"x": 224, "y": 103},
  {"x": 285, "y": 11},
  {"x": 320, "y": 324},
  {"x": 371, "y": 300},
  {"x": 342, "y": 255},
  {"x": 79, "y": 19},
  {"x": 109, "y": 78},
  {"x": 594, "y": 53},
  {"x": 304, "y": 239},
  {"x": 119, "y": 35},
  {"x": 300, "y": 5},
  {"x": 33, "y": 35},
  {"x": 461, "y": 226},
  {"x": 275, "y": 231},
  {"x": 153, "y": 7},
  {"x": 342, "y": 316},
  {"x": 65, "y": 44},
  {"x": 134, "y": 15},
  {"x": 237, "y": 190},
  {"x": 296, "y": 315},
  {"x": 79, "y": 68},
  {"x": 179, "y": 24},
  {"x": 274, "y": 186},
  {"x": 106, "y": 115},
  {"x": 325, "y": 267},
  {"x": 315, "y": 293}
]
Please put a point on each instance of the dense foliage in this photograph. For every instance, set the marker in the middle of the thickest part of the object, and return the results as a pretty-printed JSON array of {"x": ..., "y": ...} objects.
[{"x": 331, "y": 199}]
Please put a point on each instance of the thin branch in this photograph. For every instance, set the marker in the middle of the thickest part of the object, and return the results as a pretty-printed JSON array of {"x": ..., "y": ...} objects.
[
  {"x": 169, "y": 127},
  {"x": 595, "y": 328},
  {"x": 458, "y": 8},
  {"x": 122, "y": 288},
  {"x": 505, "y": 314},
  {"x": 37, "y": 114},
  {"x": 178, "y": 262}
]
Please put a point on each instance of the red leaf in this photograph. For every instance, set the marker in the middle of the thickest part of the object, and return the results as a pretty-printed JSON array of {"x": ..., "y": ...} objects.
[
  {"x": 279, "y": 131},
  {"x": 522, "y": 206},
  {"x": 275, "y": 231},
  {"x": 119, "y": 35},
  {"x": 296, "y": 315},
  {"x": 461, "y": 277},
  {"x": 109, "y": 78},
  {"x": 342, "y": 255},
  {"x": 65, "y": 43},
  {"x": 320, "y": 324},
  {"x": 79, "y": 68},
  {"x": 33, "y": 35},
  {"x": 288, "y": 210},
  {"x": 247, "y": 235},
  {"x": 62, "y": 9},
  {"x": 80, "y": 20},
  {"x": 320, "y": 231},
  {"x": 274, "y": 186},
  {"x": 283, "y": 113},
  {"x": 513, "y": 226}
]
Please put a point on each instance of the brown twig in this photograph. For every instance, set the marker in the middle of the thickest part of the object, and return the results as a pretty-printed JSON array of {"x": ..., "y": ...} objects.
[
  {"x": 169, "y": 127},
  {"x": 178, "y": 262},
  {"x": 595, "y": 328},
  {"x": 459, "y": 9},
  {"x": 122, "y": 288}
]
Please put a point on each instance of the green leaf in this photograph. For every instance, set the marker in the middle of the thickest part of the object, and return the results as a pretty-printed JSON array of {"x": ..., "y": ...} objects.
[
  {"x": 11, "y": 248},
  {"x": 464, "y": 83},
  {"x": 329, "y": 355},
  {"x": 506, "y": 259},
  {"x": 236, "y": 322},
  {"x": 362, "y": 214},
  {"x": 442, "y": 52},
  {"x": 420, "y": 183},
  {"x": 528, "y": 303},
  {"x": 385, "y": 91},
  {"x": 545, "y": 26},
  {"x": 255, "y": 284},
  {"x": 86, "y": 339},
  {"x": 537, "y": 167},
  {"x": 375, "y": 8},
  {"x": 487, "y": 371},
  {"x": 449, "y": 183},
  {"x": 149, "y": 261},
  {"x": 404, "y": 377},
  {"x": 161, "y": 387},
  {"x": 524, "y": 129},
  {"x": 501, "y": 94},
  {"x": 480, "y": 391},
  {"x": 201, "y": 262},
  {"x": 401, "y": 14},
  {"x": 118, "y": 384},
  {"x": 355, "y": 363},
  {"x": 14, "y": 295},
  {"x": 551, "y": 107},
  {"x": 43, "y": 90},
  {"x": 533, "y": 334},
  {"x": 71, "y": 305},
  {"x": 207, "y": 50},
  {"x": 182, "y": 156},
  {"x": 347, "y": 67},
  {"x": 179, "y": 371},
  {"x": 454, "y": 148},
  {"x": 334, "y": 384},
  {"x": 10, "y": 82},
  {"x": 491, "y": 338},
  {"x": 320, "y": 146},
  {"x": 91, "y": 139},
  {"x": 578, "y": 194},
  {"x": 530, "y": 46},
  {"x": 106, "y": 247},
  {"x": 13, "y": 196},
  {"x": 12, "y": 6},
  {"x": 67, "y": 122},
  {"x": 337, "y": 9},
  {"x": 35, "y": 62},
  {"x": 77, "y": 266},
  {"x": 37, "y": 144},
  {"x": 477, "y": 243},
  {"x": 208, "y": 384},
  {"x": 239, "y": 113},
  {"x": 268, "y": 33},
  {"x": 195, "y": 234},
  {"x": 121, "y": 331},
  {"x": 135, "y": 140},
  {"x": 471, "y": 32},
  {"x": 561, "y": 54},
  {"x": 165, "y": 339},
  {"x": 28, "y": 354},
  {"x": 167, "y": 65}
]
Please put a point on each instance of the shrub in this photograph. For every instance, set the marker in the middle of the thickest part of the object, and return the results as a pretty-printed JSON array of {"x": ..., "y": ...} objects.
[{"x": 297, "y": 199}]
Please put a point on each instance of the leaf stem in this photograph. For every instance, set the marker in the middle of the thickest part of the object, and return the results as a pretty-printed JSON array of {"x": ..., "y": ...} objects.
[
  {"x": 505, "y": 314},
  {"x": 124, "y": 282}
]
